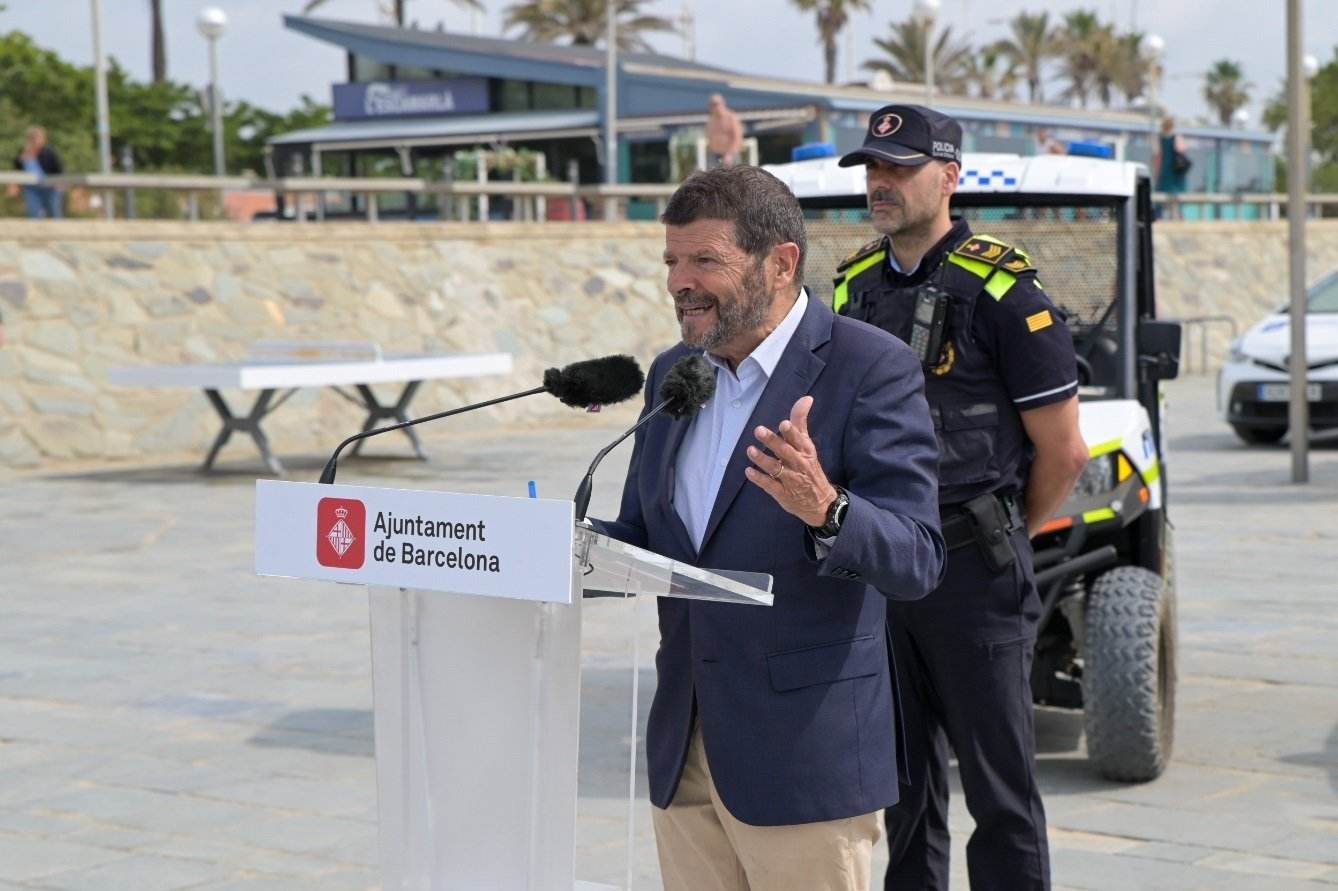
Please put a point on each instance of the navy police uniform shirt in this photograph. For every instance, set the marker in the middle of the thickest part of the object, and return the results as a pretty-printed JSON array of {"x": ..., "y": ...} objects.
[{"x": 1007, "y": 350}]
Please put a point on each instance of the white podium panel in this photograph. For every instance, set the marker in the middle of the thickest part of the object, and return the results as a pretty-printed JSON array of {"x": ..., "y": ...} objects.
[
  {"x": 476, "y": 740},
  {"x": 429, "y": 541},
  {"x": 508, "y": 755}
]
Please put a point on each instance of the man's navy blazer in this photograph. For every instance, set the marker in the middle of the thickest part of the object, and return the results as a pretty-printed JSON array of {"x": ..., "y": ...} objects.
[{"x": 796, "y": 703}]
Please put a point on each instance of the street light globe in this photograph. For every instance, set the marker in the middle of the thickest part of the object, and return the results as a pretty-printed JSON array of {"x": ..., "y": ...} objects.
[
  {"x": 926, "y": 10},
  {"x": 1155, "y": 45},
  {"x": 212, "y": 22},
  {"x": 1241, "y": 117},
  {"x": 1309, "y": 65}
]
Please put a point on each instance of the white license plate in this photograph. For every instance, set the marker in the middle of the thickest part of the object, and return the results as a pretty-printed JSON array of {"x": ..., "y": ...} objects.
[{"x": 1283, "y": 392}]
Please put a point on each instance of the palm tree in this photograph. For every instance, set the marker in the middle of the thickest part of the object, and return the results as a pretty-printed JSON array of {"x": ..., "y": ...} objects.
[
  {"x": 1134, "y": 70},
  {"x": 159, "y": 44},
  {"x": 1275, "y": 110},
  {"x": 398, "y": 7},
  {"x": 582, "y": 22},
  {"x": 1030, "y": 44},
  {"x": 993, "y": 72},
  {"x": 1225, "y": 89},
  {"x": 1080, "y": 39},
  {"x": 905, "y": 49},
  {"x": 832, "y": 17},
  {"x": 1108, "y": 58}
]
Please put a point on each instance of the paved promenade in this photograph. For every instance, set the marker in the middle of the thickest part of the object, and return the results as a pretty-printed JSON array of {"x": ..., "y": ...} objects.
[{"x": 170, "y": 721}]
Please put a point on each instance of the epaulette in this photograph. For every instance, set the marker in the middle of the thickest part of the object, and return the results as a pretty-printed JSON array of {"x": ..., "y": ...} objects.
[
  {"x": 996, "y": 254},
  {"x": 867, "y": 251}
]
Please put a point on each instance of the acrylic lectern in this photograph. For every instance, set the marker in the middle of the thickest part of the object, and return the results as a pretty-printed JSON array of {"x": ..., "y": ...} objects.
[{"x": 507, "y": 740}]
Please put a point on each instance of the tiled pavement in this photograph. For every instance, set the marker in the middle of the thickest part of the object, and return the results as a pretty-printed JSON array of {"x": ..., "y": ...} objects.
[{"x": 170, "y": 721}]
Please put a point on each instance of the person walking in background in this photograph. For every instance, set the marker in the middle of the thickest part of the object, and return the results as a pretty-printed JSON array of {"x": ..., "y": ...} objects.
[
  {"x": 41, "y": 160},
  {"x": 724, "y": 132},
  {"x": 1047, "y": 144},
  {"x": 1171, "y": 165}
]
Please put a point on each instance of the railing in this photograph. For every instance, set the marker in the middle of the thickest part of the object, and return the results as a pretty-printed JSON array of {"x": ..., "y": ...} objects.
[
  {"x": 311, "y": 197},
  {"x": 1229, "y": 206},
  {"x": 1201, "y": 323}
]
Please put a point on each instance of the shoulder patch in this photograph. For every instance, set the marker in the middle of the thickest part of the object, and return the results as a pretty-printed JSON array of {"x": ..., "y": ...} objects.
[
  {"x": 867, "y": 251},
  {"x": 996, "y": 254},
  {"x": 983, "y": 249},
  {"x": 1039, "y": 321}
]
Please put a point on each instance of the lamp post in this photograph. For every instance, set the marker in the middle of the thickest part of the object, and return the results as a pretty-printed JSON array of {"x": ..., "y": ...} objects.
[
  {"x": 927, "y": 11},
  {"x": 100, "y": 85},
  {"x": 212, "y": 21},
  {"x": 1240, "y": 118},
  {"x": 611, "y": 92},
  {"x": 104, "y": 116},
  {"x": 1298, "y": 153}
]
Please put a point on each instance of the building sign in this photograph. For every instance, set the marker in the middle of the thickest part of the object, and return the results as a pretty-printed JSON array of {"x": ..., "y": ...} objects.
[{"x": 410, "y": 98}]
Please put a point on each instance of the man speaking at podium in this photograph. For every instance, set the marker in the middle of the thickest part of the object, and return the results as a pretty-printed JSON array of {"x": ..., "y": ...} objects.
[{"x": 814, "y": 461}]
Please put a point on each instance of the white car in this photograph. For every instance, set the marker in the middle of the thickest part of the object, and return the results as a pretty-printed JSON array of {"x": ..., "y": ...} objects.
[{"x": 1252, "y": 389}]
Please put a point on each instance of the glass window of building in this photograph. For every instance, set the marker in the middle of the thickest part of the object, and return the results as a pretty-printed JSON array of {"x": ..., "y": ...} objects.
[
  {"x": 413, "y": 72},
  {"x": 510, "y": 95},
  {"x": 367, "y": 69},
  {"x": 553, "y": 97}
]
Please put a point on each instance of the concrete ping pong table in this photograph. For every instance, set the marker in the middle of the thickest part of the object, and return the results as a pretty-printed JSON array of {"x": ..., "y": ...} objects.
[{"x": 292, "y": 366}]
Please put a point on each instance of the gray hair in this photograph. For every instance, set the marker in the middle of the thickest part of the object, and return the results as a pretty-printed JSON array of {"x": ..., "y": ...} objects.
[{"x": 764, "y": 211}]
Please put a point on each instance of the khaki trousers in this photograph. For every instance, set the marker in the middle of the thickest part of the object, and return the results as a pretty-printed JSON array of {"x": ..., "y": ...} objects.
[{"x": 704, "y": 848}]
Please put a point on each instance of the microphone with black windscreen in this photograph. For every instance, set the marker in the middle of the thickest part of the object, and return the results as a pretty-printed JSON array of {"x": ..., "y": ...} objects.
[
  {"x": 604, "y": 381},
  {"x": 688, "y": 385}
]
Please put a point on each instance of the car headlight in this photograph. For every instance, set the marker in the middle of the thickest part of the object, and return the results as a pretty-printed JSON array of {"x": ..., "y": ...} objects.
[
  {"x": 1236, "y": 354},
  {"x": 1097, "y": 477}
]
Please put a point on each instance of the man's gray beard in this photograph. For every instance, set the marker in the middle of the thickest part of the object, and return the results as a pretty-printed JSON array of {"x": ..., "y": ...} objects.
[
  {"x": 739, "y": 317},
  {"x": 904, "y": 227}
]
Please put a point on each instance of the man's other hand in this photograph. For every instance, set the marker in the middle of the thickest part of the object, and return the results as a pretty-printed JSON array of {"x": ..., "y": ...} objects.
[{"x": 787, "y": 467}]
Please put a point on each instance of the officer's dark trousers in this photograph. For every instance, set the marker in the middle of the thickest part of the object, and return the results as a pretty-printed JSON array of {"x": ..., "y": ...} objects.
[{"x": 963, "y": 658}]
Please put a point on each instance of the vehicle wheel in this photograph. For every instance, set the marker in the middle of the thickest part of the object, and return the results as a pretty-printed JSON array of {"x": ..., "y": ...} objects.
[
  {"x": 1129, "y": 674},
  {"x": 1259, "y": 435}
]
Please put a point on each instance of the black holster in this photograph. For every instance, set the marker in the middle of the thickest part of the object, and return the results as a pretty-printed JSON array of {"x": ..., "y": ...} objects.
[{"x": 991, "y": 523}]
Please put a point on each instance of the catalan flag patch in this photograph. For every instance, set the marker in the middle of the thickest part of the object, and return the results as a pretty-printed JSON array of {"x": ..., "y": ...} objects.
[{"x": 1039, "y": 321}]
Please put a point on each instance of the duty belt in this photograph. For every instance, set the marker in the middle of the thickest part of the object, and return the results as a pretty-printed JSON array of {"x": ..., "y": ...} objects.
[{"x": 959, "y": 530}]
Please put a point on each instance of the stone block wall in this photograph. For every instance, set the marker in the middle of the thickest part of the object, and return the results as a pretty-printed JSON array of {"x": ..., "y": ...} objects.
[{"x": 80, "y": 297}]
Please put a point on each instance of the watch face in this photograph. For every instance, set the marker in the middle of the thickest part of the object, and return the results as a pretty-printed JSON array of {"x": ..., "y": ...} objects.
[{"x": 838, "y": 511}]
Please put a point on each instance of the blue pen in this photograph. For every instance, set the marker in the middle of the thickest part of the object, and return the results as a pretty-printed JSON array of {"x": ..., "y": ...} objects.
[{"x": 534, "y": 491}]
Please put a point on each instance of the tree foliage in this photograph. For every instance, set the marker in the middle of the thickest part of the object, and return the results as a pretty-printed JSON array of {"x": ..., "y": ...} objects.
[{"x": 164, "y": 125}]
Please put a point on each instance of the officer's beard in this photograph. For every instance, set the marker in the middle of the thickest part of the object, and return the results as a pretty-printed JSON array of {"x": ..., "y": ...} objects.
[
  {"x": 904, "y": 221},
  {"x": 741, "y": 315}
]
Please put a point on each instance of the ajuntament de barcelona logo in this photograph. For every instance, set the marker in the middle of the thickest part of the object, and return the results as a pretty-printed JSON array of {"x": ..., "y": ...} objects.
[{"x": 341, "y": 539}]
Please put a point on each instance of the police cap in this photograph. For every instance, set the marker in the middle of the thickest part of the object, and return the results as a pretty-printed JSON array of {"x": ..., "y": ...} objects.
[{"x": 909, "y": 135}]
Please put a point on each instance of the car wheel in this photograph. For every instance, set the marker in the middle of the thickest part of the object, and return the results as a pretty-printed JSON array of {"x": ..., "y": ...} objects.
[{"x": 1259, "y": 435}]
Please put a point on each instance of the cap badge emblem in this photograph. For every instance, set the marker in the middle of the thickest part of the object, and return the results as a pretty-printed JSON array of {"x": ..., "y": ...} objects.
[{"x": 886, "y": 125}]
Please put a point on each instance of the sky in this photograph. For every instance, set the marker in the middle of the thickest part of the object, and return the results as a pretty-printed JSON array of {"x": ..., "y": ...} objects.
[{"x": 266, "y": 64}]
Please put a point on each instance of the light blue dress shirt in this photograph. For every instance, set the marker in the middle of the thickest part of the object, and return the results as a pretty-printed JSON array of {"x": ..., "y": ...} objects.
[
  {"x": 896, "y": 267},
  {"x": 717, "y": 429}
]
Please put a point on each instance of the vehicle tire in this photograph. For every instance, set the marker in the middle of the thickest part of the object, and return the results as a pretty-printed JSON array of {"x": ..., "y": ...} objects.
[
  {"x": 1259, "y": 435},
  {"x": 1129, "y": 673}
]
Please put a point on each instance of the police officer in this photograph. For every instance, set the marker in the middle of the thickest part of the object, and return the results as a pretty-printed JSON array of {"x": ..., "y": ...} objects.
[{"x": 1002, "y": 386}]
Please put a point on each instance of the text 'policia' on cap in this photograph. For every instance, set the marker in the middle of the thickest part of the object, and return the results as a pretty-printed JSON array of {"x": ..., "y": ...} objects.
[{"x": 909, "y": 135}]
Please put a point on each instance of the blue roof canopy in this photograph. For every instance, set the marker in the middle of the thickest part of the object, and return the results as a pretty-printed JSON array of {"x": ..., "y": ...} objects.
[{"x": 652, "y": 85}]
